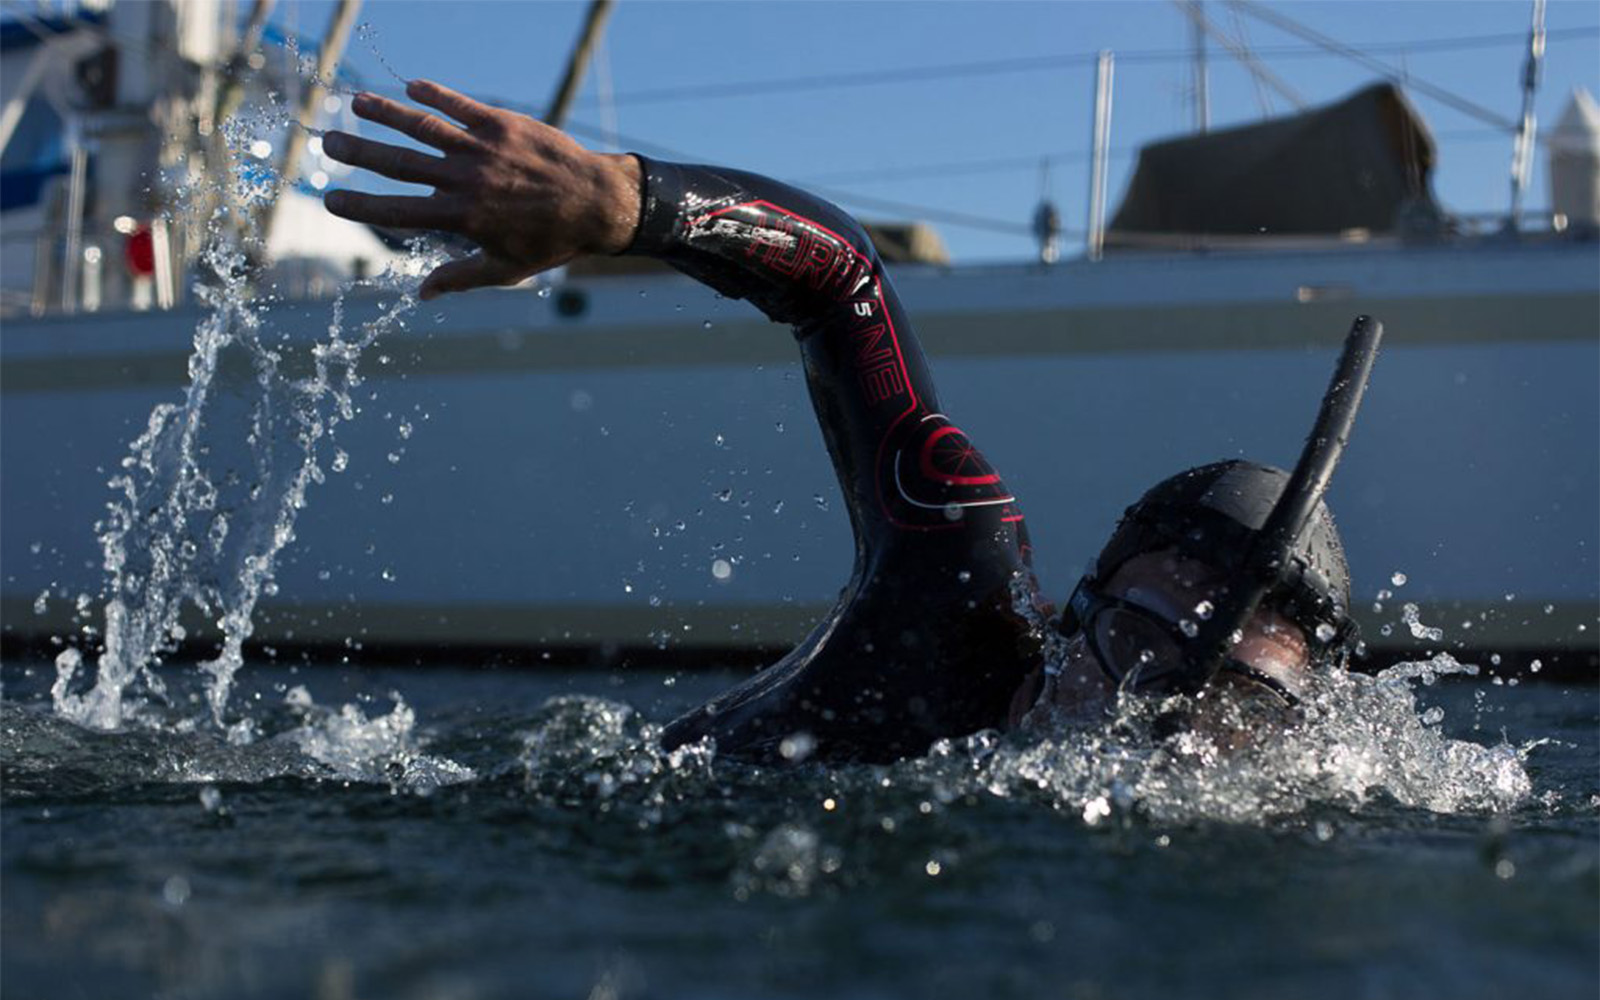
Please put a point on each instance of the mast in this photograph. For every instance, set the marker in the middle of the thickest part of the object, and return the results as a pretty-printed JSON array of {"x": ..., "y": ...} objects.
[
  {"x": 594, "y": 22},
  {"x": 328, "y": 56},
  {"x": 1527, "y": 125},
  {"x": 1202, "y": 77},
  {"x": 1101, "y": 145}
]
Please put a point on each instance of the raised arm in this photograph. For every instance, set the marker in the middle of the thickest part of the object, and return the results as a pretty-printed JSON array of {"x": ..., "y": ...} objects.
[
  {"x": 802, "y": 261},
  {"x": 533, "y": 199}
]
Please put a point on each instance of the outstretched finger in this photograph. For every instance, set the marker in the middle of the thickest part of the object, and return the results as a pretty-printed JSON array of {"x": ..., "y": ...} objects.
[
  {"x": 394, "y": 211},
  {"x": 419, "y": 125},
  {"x": 395, "y": 162},
  {"x": 457, "y": 105},
  {"x": 467, "y": 273}
]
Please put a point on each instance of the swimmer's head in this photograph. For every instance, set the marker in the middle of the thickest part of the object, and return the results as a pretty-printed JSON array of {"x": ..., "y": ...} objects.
[
  {"x": 1137, "y": 621},
  {"x": 1229, "y": 576}
]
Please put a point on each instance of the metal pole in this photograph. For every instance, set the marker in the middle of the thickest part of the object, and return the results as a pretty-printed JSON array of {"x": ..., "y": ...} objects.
[
  {"x": 1202, "y": 78},
  {"x": 18, "y": 101},
  {"x": 1527, "y": 125},
  {"x": 76, "y": 196},
  {"x": 161, "y": 250},
  {"x": 593, "y": 24},
  {"x": 1101, "y": 145}
]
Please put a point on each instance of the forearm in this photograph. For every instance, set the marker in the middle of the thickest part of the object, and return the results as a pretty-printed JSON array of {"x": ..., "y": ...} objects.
[
  {"x": 807, "y": 263},
  {"x": 793, "y": 255}
]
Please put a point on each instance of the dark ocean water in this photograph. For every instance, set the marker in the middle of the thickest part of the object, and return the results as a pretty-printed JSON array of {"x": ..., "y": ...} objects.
[{"x": 515, "y": 835}]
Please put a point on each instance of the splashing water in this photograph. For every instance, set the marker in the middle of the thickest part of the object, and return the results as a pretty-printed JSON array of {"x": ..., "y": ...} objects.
[
  {"x": 194, "y": 521},
  {"x": 1362, "y": 738}
]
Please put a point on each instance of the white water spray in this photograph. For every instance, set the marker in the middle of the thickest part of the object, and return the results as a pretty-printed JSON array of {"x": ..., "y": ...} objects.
[{"x": 199, "y": 516}]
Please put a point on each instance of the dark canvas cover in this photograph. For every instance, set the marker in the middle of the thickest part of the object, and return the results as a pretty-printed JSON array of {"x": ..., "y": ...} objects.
[{"x": 1365, "y": 162}]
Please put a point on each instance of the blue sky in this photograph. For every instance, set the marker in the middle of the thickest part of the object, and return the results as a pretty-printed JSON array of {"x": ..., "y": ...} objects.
[{"x": 967, "y": 144}]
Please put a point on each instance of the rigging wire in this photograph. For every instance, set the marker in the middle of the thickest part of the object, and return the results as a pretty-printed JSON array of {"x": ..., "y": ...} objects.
[
  {"x": 1259, "y": 73},
  {"x": 912, "y": 74},
  {"x": 956, "y": 168},
  {"x": 1378, "y": 66}
]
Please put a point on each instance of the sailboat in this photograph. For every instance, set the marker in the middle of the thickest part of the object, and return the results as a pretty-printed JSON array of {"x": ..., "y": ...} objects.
[{"x": 623, "y": 467}]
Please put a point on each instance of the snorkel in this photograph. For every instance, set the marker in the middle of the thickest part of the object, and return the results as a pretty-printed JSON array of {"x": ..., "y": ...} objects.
[
  {"x": 1270, "y": 562},
  {"x": 1265, "y": 533}
]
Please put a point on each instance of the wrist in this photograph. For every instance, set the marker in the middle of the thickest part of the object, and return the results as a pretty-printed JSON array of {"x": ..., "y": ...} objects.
[{"x": 618, "y": 180}]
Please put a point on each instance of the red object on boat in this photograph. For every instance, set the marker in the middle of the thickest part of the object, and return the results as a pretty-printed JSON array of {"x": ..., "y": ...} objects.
[{"x": 140, "y": 252}]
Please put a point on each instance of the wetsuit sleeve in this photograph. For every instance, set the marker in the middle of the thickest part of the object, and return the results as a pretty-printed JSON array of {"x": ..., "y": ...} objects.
[{"x": 901, "y": 464}]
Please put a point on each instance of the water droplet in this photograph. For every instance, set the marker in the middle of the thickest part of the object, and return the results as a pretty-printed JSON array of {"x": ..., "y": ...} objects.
[
  {"x": 706, "y": 325},
  {"x": 543, "y": 291},
  {"x": 779, "y": 426},
  {"x": 1204, "y": 610},
  {"x": 175, "y": 891},
  {"x": 394, "y": 458},
  {"x": 820, "y": 500},
  {"x": 41, "y": 604},
  {"x": 719, "y": 440},
  {"x": 721, "y": 569},
  {"x": 1433, "y": 716},
  {"x": 1326, "y": 632},
  {"x": 405, "y": 430},
  {"x": 1387, "y": 629},
  {"x": 777, "y": 508},
  {"x": 796, "y": 747},
  {"x": 1188, "y": 628},
  {"x": 1549, "y": 609},
  {"x": 1096, "y": 809},
  {"x": 932, "y": 868},
  {"x": 965, "y": 576},
  {"x": 655, "y": 601},
  {"x": 341, "y": 460},
  {"x": 724, "y": 495},
  {"x": 1410, "y": 616},
  {"x": 1535, "y": 667},
  {"x": 388, "y": 575},
  {"x": 1398, "y": 579},
  {"x": 210, "y": 798}
]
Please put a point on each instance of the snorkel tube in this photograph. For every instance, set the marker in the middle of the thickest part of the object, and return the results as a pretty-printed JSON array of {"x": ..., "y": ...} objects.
[{"x": 1270, "y": 562}]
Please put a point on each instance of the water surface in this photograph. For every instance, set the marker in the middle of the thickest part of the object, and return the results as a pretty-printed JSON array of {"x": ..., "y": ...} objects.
[{"x": 508, "y": 835}]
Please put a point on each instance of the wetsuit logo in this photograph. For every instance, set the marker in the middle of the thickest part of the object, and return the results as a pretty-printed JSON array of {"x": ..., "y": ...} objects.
[{"x": 937, "y": 476}]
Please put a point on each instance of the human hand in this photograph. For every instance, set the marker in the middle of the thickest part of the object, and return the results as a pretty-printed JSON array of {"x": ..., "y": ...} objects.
[{"x": 527, "y": 194}]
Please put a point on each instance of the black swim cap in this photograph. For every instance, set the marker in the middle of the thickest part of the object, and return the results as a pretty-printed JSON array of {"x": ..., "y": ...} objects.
[{"x": 1213, "y": 513}]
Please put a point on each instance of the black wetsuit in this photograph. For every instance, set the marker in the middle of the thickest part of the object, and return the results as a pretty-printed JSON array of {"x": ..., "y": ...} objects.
[{"x": 924, "y": 642}]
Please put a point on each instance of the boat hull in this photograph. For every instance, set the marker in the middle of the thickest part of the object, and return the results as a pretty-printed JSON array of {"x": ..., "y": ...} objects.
[{"x": 563, "y": 485}]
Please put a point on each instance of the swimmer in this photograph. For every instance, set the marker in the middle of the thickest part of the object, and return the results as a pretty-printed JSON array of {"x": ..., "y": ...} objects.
[{"x": 1225, "y": 582}]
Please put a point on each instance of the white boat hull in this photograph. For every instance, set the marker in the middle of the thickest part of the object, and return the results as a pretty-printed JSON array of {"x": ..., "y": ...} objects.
[{"x": 537, "y": 504}]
